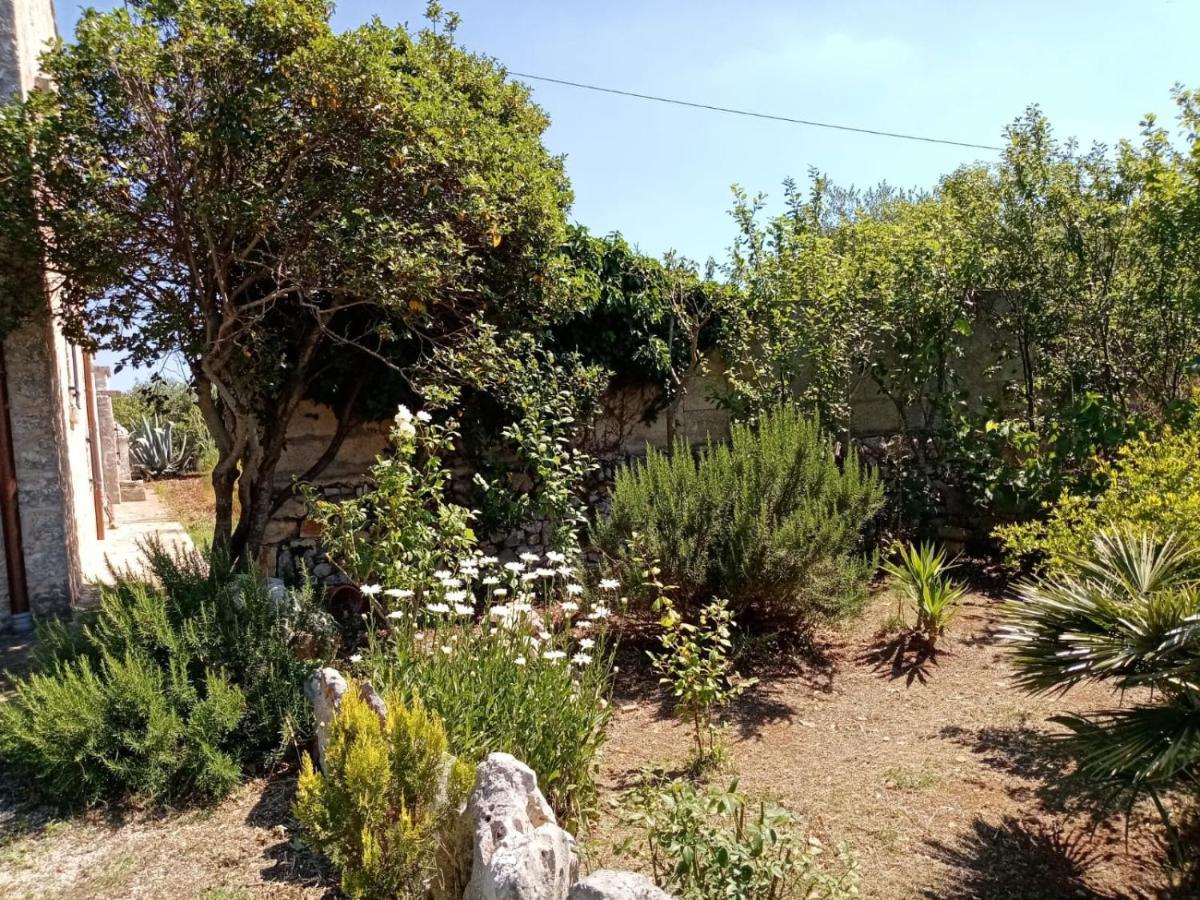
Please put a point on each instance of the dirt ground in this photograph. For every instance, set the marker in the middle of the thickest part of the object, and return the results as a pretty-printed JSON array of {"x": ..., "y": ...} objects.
[
  {"x": 935, "y": 771},
  {"x": 190, "y": 500}
]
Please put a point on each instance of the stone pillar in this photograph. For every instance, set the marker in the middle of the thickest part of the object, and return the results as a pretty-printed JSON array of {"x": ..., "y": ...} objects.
[{"x": 110, "y": 460}]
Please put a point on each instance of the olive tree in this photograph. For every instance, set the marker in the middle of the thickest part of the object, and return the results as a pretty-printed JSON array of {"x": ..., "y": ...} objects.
[{"x": 291, "y": 210}]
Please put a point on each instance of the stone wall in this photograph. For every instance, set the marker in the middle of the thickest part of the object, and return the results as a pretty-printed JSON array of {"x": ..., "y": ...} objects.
[{"x": 631, "y": 419}]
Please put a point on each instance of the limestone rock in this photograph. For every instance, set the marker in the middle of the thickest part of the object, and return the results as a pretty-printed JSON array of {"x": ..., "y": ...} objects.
[
  {"x": 611, "y": 884},
  {"x": 519, "y": 852},
  {"x": 324, "y": 689}
]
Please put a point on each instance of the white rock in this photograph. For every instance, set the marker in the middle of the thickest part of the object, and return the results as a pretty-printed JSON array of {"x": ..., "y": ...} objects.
[
  {"x": 611, "y": 884},
  {"x": 324, "y": 689},
  {"x": 519, "y": 852}
]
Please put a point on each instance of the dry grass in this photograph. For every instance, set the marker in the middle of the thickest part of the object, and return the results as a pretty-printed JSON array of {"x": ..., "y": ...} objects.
[
  {"x": 934, "y": 769},
  {"x": 190, "y": 500}
]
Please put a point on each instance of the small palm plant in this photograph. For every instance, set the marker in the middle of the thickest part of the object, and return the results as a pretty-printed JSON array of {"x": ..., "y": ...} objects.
[
  {"x": 922, "y": 577},
  {"x": 1128, "y": 614}
]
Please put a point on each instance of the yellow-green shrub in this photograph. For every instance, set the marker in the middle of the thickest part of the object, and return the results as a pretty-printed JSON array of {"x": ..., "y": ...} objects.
[
  {"x": 387, "y": 799},
  {"x": 1152, "y": 486}
]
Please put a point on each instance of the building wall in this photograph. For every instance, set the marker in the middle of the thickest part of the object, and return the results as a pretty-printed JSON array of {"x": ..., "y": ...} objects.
[{"x": 46, "y": 390}]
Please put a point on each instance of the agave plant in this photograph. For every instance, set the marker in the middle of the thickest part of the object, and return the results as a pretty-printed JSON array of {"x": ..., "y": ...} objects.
[
  {"x": 1128, "y": 615},
  {"x": 156, "y": 450},
  {"x": 922, "y": 577}
]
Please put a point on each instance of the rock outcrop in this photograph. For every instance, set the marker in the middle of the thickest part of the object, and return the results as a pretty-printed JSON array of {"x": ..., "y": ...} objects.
[
  {"x": 611, "y": 884},
  {"x": 519, "y": 851}
]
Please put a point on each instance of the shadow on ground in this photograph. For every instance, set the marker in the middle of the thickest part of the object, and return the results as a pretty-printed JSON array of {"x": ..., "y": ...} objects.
[
  {"x": 1015, "y": 860},
  {"x": 290, "y": 860},
  {"x": 907, "y": 655}
]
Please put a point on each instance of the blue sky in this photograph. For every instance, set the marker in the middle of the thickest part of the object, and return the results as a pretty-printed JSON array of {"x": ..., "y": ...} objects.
[{"x": 960, "y": 70}]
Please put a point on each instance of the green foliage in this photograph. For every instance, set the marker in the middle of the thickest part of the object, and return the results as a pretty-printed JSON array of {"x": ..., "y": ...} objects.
[
  {"x": 513, "y": 658},
  {"x": 1127, "y": 614},
  {"x": 694, "y": 665},
  {"x": 172, "y": 402},
  {"x": 715, "y": 844},
  {"x": 157, "y": 450},
  {"x": 404, "y": 521},
  {"x": 387, "y": 800},
  {"x": 528, "y": 410},
  {"x": 376, "y": 191},
  {"x": 922, "y": 578},
  {"x": 1152, "y": 485},
  {"x": 1019, "y": 319},
  {"x": 770, "y": 521},
  {"x": 181, "y": 681}
]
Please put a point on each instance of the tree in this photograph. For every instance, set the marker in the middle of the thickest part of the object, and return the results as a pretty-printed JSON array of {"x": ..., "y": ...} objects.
[{"x": 290, "y": 210}]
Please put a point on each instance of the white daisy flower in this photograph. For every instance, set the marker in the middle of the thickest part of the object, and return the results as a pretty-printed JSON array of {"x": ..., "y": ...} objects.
[
  {"x": 519, "y": 661},
  {"x": 581, "y": 659},
  {"x": 574, "y": 589},
  {"x": 356, "y": 658},
  {"x": 555, "y": 557},
  {"x": 566, "y": 571},
  {"x": 491, "y": 580},
  {"x": 437, "y": 607},
  {"x": 514, "y": 566},
  {"x": 446, "y": 649},
  {"x": 489, "y": 560},
  {"x": 600, "y": 612},
  {"x": 587, "y": 644},
  {"x": 369, "y": 590},
  {"x": 396, "y": 614},
  {"x": 544, "y": 573},
  {"x": 463, "y": 609},
  {"x": 442, "y": 574},
  {"x": 570, "y": 606},
  {"x": 423, "y": 416},
  {"x": 544, "y": 635},
  {"x": 527, "y": 577},
  {"x": 500, "y": 592},
  {"x": 554, "y": 655},
  {"x": 456, "y": 596},
  {"x": 529, "y": 557},
  {"x": 398, "y": 593},
  {"x": 609, "y": 584}
]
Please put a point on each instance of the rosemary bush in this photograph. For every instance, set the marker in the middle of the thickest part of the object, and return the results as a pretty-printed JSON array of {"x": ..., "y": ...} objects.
[{"x": 770, "y": 520}]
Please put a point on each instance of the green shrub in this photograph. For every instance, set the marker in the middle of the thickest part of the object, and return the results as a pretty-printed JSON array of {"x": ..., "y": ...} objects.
[
  {"x": 404, "y": 522},
  {"x": 694, "y": 666},
  {"x": 922, "y": 578},
  {"x": 770, "y": 520},
  {"x": 1127, "y": 614},
  {"x": 1152, "y": 485},
  {"x": 712, "y": 844},
  {"x": 513, "y": 659},
  {"x": 380, "y": 810},
  {"x": 181, "y": 680}
]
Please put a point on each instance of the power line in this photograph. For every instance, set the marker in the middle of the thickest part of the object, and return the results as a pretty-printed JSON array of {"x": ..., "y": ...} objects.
[{"x": 755, "y": 115}]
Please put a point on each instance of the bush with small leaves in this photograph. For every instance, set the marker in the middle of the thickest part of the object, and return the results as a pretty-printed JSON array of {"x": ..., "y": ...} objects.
[
  {"x": 181, "y": 681},
  {"x": 695, "y": 667},
  {"x": 387, "y": 800},
  {"x": 772, "y": 521},
  {"x": 714, "y": 844}
]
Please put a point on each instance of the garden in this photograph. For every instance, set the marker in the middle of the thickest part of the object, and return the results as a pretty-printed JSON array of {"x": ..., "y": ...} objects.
[{"x": 920, "y": 619}]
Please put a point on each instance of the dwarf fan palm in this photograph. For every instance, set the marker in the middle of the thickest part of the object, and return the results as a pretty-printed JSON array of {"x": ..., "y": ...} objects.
[{"x": 1128, "y": 615}]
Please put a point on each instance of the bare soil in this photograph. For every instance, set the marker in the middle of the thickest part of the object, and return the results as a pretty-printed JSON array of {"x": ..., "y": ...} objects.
[{"x": 934, "y": 769}]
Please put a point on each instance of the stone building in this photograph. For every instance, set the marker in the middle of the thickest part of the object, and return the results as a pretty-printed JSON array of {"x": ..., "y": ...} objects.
[{"x": 51, "y": 482}]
